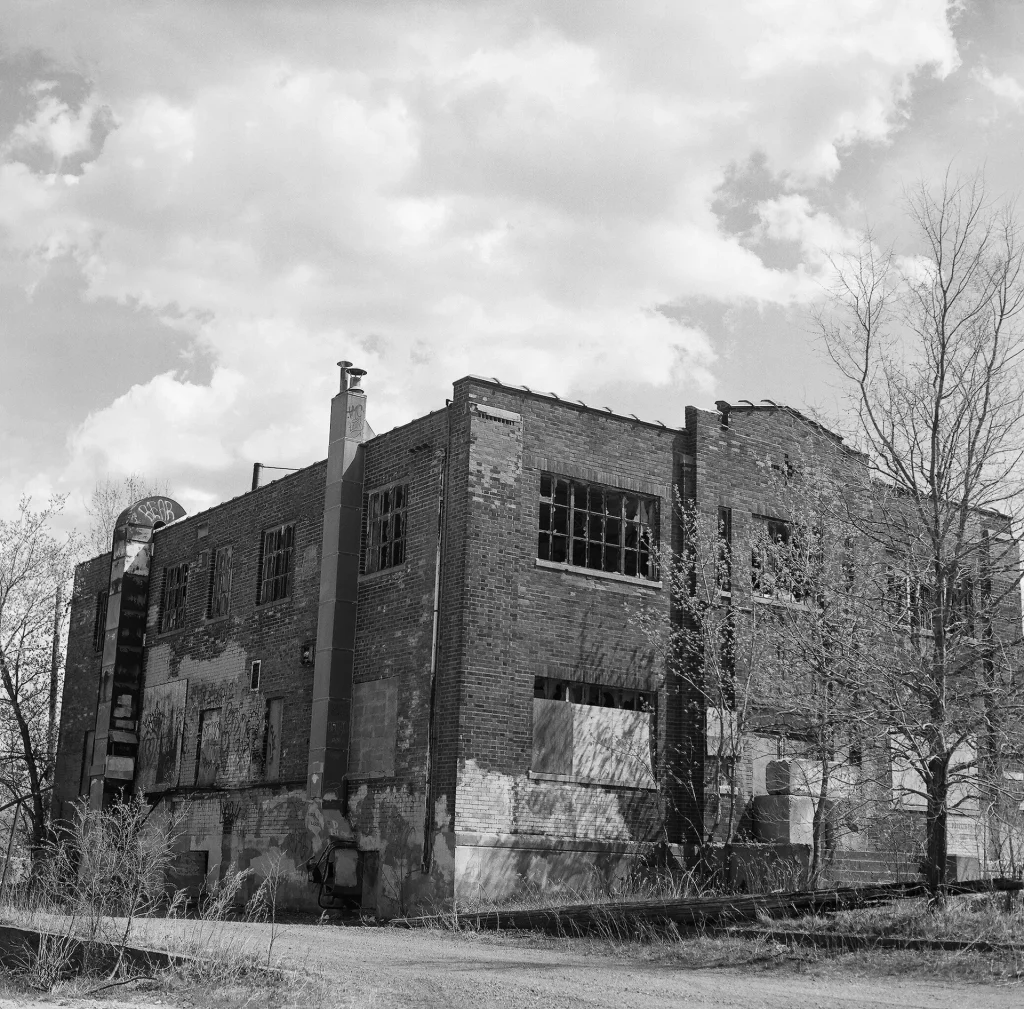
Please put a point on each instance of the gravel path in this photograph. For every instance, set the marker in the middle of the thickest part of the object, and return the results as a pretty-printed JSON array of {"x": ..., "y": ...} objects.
[{"x": 384, "y": 967}]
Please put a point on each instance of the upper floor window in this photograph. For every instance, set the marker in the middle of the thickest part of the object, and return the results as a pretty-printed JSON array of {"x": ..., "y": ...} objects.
[
  {"x": 597, "y": 527},
  {"x": 385, "y": 528},
  {"x": 769, "y": 554},
  {"x": 220, "y": 583},
  {"x": 172, "y": 610},
  {"x": 785, "y": 560},
  {"x": 723, "y": 565},
  {"x": 276, "y": 563},
  {"x": 915, "y": 602},
  {"x": 99, "y": 627}
]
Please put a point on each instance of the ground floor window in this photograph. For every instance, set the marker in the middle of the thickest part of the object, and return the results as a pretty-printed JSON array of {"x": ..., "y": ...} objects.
[{"x": 593, "y": 732}]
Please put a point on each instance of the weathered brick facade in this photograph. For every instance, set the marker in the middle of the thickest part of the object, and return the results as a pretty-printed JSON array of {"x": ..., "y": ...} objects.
[{"x": 460, "y": 628}]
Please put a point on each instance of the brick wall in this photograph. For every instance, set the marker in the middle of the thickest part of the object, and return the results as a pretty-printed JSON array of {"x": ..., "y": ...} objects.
[
  {"x": 739, "y": 465},
  {"x": 521, "y": 620},
  {"x": 81, "y": 681},
  {"x": 387, "y": 805},
  {"x": 215, "y": 656}
]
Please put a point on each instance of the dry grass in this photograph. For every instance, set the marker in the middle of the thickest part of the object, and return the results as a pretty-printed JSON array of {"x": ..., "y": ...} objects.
[
  {"x": 975, "y": 918},
  {"x": 724, "y": 952},
  {"x": 177, "y": 986},
  {"x": 991, "y": 918},
  {"x": 643, "y": 884}
]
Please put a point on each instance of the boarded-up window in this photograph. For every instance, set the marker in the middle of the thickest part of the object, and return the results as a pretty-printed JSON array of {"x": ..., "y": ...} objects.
[
  {"x": 552, "y": 737},
  {"x": 272, "y": 749},
  {"x": 87, "y": 748},
  {"x": 909, "y": 790},
  {"x": 208, "y": 749},
  {"x": 220, "y": 583},
  {"x": 160, "y": 732},
  {"x": 603, "y": 745},
  {"x": 374, "y": 722},
  {"x": 187, "y": 871}
]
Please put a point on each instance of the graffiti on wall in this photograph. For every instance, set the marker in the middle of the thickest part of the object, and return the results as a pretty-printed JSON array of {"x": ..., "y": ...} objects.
[
  {"x": 226, "y": 735},
  {"x": 160, "y": 731},
  {"x": 151, "y": 511},
  {"x": 209, "y": 747}
]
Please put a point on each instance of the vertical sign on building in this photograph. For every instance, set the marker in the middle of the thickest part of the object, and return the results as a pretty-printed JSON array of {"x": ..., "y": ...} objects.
[{"x": 117, "y": 716}]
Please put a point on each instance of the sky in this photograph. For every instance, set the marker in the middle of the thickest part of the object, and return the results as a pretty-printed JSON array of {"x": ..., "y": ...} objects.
[{"x": 205, "y": 204}]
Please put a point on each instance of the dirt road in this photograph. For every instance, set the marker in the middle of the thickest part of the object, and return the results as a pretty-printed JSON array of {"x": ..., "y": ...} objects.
[{"x": 384, "y": 967}]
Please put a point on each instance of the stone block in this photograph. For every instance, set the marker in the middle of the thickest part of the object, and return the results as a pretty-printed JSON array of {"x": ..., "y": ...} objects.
[
  {"x": 784, "y": 819},
  {"x": 793, "y": 777}
]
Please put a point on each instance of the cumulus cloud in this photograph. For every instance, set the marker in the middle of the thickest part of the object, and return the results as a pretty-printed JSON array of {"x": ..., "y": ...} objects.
[{"x": 508, "y": 189}]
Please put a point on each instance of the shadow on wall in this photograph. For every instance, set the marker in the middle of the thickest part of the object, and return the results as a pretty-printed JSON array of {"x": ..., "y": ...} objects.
[
  {"x": 390, "y": 822},
  {"x": 563, "y": 874}
]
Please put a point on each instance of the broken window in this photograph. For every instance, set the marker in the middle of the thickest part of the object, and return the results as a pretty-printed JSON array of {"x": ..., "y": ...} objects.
[
  {"x": 595, "y": 527},
  {"x": 272, "y": 742},
  {"x": 915, "y": 602},
  {"x": 208, "y": 747},
  {"x": 961, "y": 605},
  {"x": 255, "y": 670},
  {"x": 385, "y": 528},
  {"x": 782, "y": 557},
  {"x": 99, "y": 627},
  {"x": 723, "y": 567},
  {"x": 720, "y": 775},
  {"x": 592, "y": 732},
  {"x": 554, "y": 689},
  {"x": 275, "y": 563},
  {"x": 767, "y": 560},
  {"x": 220, "y": 584},
  {"x": 172, "y": 610}
]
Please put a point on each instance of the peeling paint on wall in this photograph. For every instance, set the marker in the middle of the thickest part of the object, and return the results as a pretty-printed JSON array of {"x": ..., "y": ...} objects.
[{"x": 161, "y": 727}]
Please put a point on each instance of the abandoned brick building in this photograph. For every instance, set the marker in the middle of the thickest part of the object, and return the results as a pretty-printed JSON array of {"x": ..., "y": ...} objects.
[{"x": 420, "y": 654}]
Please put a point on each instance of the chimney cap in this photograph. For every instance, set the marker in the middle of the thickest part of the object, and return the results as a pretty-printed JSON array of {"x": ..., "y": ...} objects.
[{"x": 355, "y": 378}]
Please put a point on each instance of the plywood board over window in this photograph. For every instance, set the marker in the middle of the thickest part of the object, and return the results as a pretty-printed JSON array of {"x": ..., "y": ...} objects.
[
  {"x": 585, "y": 742},
  {"x": 374, "y": 725},
  {"x": 160, "y": 732},
  {"x": 208, "y": 750},
  {"x": 272, "y": 747}
]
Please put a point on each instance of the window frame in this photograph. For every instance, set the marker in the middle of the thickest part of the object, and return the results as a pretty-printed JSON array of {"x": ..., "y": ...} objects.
[
  {"x": 382, "y": 548},
  {"x": 208, "y": 715},
  {"x": 786, "y": 579},
  {"x": 220, "y": 587},
  {"x": 174, "y": 617},
  {"x": 723, "y": 560},
  {"x": 566, "y": 529},
  {"x": 99, "y": 627},
  {"x": 278, "y": 577},
  {"x": 597, "y": 695}
]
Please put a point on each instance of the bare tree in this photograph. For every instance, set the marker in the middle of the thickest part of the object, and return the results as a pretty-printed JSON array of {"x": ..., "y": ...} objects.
[
  {"x": 109, "y": 498},
  {"x": 34, "y": 568},
  {"x": 778, "y": 663},
  {"x": 930, "y": 346}
]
